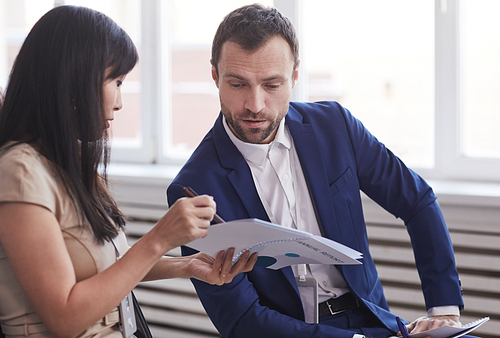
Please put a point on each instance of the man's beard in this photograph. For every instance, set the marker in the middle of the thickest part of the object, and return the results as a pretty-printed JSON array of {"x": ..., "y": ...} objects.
[{"x": 253, "y": 135}]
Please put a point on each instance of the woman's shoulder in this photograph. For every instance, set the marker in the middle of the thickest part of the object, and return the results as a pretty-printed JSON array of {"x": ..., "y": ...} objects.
[
  {"x": 25, "y": 175},
  {"x": 21, "y": 157}
]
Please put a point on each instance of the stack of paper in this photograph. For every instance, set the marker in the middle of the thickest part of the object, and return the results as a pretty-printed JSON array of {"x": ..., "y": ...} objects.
[{"x": 277, "y": 246}]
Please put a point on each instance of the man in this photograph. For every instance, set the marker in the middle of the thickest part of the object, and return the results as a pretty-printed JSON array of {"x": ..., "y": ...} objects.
[{"x": 302, "y": 165}]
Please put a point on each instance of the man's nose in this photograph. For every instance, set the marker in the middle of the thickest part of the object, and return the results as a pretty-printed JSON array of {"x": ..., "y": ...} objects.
[{"x": 255, "y": 100}]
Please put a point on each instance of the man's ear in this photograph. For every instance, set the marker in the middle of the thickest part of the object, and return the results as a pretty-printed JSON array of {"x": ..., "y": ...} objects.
[
  {"x": 215, "y": 77},
  {"x": 296, "y": 74}
]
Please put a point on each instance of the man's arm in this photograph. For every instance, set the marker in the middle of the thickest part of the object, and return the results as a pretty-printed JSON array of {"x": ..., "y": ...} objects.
[{"x": 399, "y": 190}]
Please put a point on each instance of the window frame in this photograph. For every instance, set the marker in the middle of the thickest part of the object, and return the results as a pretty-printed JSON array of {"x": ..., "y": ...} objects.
[
  {"x": 449, "y": 162},
  {"x": 151, "y": 91}
]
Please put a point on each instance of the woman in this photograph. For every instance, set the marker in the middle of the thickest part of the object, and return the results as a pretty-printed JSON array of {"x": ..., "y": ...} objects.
[{"x": 59, "y": 275}]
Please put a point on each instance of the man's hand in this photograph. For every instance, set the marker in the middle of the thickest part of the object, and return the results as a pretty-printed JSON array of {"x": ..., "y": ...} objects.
[{"x": 427, "y": 323}]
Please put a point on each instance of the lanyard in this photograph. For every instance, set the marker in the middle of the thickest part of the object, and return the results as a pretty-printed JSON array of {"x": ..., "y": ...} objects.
[{"x": 127, "y": 313}]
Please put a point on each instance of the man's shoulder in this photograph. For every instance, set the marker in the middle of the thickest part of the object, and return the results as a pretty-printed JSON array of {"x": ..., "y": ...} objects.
[
  {"x": 317, "y": 106},
  {"x": 323, "y": 115},
  {"x": 304, "y": 111}
]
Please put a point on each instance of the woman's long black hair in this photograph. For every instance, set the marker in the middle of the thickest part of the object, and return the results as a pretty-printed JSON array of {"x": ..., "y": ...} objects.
[{"x": 55, "y": 98}]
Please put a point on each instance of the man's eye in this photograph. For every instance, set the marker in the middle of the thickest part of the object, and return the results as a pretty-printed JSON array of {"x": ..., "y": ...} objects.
[
  {"x": 236, "y": 85},
  {"x": 273, "y": 86}
]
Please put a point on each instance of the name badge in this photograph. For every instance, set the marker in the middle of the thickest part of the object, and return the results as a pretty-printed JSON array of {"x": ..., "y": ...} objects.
[
  {"x": 127, "y": 316},
  {"x": 308, "y": 288}
]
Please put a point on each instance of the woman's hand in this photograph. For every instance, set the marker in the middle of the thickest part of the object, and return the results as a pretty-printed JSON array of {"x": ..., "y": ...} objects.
[
  {"x": 187, "y": 220},
  {"x": 219, "y": 270}
]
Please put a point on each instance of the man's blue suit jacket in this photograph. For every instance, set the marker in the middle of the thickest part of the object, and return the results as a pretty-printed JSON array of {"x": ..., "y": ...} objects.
[{"x": 339, "y": 158}]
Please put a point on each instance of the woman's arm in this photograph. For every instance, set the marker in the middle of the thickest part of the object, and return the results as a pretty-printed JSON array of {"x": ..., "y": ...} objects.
[{"x": 33, "y": 242}]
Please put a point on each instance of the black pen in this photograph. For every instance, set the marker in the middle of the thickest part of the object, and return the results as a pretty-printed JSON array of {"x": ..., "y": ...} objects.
[
  {"x": 191, "y": 193},
  {"x": 402, "y": 328}
]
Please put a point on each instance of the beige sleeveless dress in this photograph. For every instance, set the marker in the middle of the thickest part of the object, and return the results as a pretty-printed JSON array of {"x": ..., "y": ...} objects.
[{"x": 28, "y": 177}]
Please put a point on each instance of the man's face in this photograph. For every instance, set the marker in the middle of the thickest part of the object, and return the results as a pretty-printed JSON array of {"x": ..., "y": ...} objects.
[{"x": 255, "y": 88}]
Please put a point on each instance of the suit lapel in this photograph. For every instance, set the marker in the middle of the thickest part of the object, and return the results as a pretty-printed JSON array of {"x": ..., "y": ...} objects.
[
  {"x": 239, "y": 174},
  {"x": 311, "y": 159}
]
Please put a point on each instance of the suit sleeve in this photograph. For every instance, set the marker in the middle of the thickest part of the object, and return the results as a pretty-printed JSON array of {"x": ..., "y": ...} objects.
[
  {"x": 399, "y": 190},
  {"x": 237, "y": 310}
]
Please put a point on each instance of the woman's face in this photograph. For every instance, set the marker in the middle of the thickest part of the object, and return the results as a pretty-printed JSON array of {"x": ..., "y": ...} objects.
[{"x": 112, "y": 97}]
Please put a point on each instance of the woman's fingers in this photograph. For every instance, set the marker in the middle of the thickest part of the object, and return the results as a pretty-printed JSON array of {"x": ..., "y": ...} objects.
[
  {"x": 187, "y": 220},
  {"x": 245, "y": 263},
  {"x": 223, "y": 271},
  {"x": 202, "y": 206},
  {"x": 227, "y": 264}
]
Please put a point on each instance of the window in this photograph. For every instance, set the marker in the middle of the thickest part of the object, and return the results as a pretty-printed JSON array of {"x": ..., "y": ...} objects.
[
  {"x": 405, "y": 69},
  {"x": 376, "y": 59},
  {"x": 465, "y": 118},
  {"x": 421, "y": 75},
  {"x": 16, "y": 19},
  {"x": 192, "y": 103},
  {"x": 128, "y": 128},
  {"x": 480, "y": 53}
]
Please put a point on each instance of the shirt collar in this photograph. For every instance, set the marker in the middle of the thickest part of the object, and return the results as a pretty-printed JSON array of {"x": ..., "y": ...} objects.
[{"x": 257, "y": 153}]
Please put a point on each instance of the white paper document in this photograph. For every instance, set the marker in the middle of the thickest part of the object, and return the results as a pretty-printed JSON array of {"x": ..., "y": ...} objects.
[
  {"x": 277, "y": 246},
  {"x": 451, "y": 331}
]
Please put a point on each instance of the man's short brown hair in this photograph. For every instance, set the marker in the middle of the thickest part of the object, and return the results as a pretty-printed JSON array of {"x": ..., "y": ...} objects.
[{"x": 251, "y": 27}]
